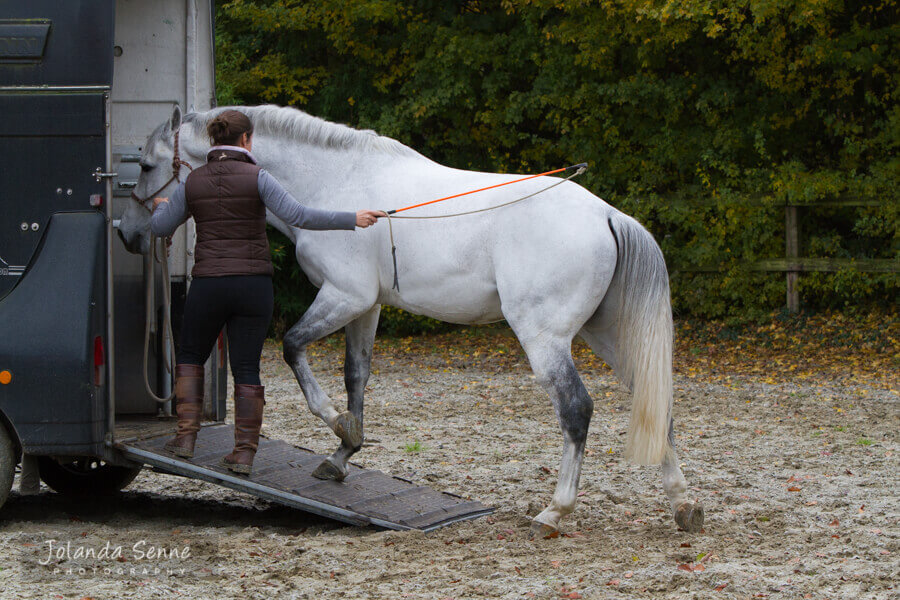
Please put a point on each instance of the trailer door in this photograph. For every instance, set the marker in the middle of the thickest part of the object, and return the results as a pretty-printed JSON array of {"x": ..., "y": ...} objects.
[
  {"x": 53, "y": 86},
  {"x": 56, "y": 72}
]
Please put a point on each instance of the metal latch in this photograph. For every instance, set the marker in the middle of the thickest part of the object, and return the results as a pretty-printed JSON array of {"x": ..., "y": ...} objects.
[{"x": 99, "y": 175}]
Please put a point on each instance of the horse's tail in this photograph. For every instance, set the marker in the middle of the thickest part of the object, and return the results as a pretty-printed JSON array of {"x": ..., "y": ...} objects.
[{"x": 643, "y": 350}]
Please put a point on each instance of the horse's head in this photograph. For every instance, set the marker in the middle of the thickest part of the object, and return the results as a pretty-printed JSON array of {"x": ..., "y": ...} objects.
[{"x": 160, "y": 174}]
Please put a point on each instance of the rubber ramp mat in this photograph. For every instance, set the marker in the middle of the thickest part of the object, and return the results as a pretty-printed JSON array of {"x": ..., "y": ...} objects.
[{"x": 282, "y": 473}]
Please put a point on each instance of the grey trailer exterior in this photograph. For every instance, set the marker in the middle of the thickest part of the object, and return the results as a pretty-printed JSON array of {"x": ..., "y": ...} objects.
[{"x": 82, "y": 83}]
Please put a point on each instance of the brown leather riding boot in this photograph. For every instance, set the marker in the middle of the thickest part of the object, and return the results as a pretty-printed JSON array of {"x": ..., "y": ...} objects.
[
  {"x": 188, "y": 407},
  {"x": 248, "y": 413}
]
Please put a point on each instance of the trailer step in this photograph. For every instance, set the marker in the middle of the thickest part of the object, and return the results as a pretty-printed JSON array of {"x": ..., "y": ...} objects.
[{"x": 282, "y": 473}]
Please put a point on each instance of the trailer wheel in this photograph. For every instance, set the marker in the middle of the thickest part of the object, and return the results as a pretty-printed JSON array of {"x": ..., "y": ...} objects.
[
  {"x": 85, "y": 476},
  {"x": 7, "y": 464}
]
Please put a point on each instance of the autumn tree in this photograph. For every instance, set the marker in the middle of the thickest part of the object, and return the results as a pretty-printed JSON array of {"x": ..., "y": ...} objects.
[{"x": 702, "y": 118}]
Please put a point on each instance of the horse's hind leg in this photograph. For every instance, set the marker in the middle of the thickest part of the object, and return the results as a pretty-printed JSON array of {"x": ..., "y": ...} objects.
[
  {"x": 357, "y": 363},
  {"x": 330, "y": 311},
  {"x": 551, "y": 361},
  {"x": 599, "y": 334},
  {"x": 688, "y": 515}
]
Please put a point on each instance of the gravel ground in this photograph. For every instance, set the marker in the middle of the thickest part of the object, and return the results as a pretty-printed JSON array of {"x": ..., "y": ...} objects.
[{"x": 798, "y": 478}]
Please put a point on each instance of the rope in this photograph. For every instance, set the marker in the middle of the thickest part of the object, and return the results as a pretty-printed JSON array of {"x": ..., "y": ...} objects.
[
  {"x": 391, "y": 217},
  {"x": 177, "y": 163},
  {"x": 167, "y": 317}
]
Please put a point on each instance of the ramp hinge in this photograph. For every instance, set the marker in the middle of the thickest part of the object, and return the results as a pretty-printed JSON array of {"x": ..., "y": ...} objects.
[{"x": 100, "y": 175}]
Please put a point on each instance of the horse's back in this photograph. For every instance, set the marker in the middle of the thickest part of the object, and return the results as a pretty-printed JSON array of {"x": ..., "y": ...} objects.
[{"x": 554, "y": 248}]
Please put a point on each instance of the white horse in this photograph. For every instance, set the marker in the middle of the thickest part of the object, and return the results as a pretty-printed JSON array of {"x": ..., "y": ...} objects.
[{"x": 560, "y": 264}]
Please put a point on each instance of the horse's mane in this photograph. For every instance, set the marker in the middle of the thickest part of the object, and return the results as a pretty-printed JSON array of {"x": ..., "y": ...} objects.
[{"x": 290, "y": 123}]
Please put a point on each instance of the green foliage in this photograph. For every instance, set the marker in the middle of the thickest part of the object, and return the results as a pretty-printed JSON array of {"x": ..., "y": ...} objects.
[
  {"x": 293, "y": 291},
  {"x": 399, "y": 323},
  {"x": 414, "y": 447},
  {"x": 701, "y": 119}
]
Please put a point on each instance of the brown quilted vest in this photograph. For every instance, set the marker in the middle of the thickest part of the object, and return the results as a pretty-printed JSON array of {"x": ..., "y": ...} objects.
[{"x": 223, "y": 198}]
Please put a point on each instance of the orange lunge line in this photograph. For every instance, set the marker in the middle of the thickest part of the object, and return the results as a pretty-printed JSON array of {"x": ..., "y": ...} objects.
[{"x": 490, "y": 187}]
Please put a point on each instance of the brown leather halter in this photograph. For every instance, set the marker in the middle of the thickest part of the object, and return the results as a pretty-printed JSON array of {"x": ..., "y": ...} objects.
[{"x": 177, "y": 163}]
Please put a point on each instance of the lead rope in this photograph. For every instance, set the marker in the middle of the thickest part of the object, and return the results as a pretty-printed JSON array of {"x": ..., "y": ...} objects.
[
  {"x": 177, "y": 163},
  {"x": 390, "y": 218},
  {"x": 166, "y": 319}
]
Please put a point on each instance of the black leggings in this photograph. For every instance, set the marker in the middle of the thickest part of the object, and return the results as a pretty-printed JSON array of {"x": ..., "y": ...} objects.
[{"x": 243, "y": 304}]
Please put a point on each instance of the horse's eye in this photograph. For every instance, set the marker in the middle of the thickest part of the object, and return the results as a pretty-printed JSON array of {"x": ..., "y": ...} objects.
[{"x": 145, "y": 167}]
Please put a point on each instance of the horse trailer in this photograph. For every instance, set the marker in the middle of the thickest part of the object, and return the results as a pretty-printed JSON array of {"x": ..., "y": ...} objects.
[{"x": 82, "y": 84}]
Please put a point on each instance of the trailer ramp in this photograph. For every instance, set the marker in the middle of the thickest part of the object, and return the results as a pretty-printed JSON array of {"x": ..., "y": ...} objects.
[{"x": 282, "y": 473}]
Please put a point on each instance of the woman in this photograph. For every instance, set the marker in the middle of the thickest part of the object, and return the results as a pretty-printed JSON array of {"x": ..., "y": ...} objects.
[{"x": 232, "y": 276}]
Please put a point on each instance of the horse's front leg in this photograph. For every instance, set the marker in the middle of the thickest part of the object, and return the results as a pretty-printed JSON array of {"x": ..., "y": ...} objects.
[
  {"x": 331, "y": 310},
  {"x": 551, "y": 361},
  {"x": 357, "y": 364}
]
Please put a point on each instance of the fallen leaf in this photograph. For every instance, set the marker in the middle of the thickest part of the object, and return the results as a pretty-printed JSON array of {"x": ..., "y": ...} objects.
[
  {"x": 628, "y": 574},
  {"x": 834, "y": 523},
  {"x": 721, "y": 587},
  {"x": 793, "y": 488},
  {"x": 613, "y": 582}
]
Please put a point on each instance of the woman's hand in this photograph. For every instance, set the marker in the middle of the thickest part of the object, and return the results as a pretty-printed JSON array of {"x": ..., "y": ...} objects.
[
  {"x": 364, "y": 218},
  {"x": 158, "y": 201}
]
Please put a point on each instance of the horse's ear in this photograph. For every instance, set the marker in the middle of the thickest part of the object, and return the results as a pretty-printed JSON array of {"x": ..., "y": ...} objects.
[{"x": 175, "y": 123}]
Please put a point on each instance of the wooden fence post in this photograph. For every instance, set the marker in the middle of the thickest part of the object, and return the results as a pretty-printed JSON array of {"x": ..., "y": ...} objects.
[{"x": 792, "y": 251}]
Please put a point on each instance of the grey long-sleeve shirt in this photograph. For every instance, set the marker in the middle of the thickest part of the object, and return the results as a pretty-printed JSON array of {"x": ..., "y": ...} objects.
[{"x": 169, "y": 215}]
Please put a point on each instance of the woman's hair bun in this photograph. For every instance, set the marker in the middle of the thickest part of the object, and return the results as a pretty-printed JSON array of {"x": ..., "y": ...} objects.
[{"x": 226, "y": 128}]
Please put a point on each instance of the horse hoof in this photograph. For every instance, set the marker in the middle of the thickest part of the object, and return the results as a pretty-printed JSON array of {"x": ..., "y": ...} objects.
[
  {"x": 349, "y": 429},
  {"x": 542, "y": 531},
  {"x": 328, "y": 470},
  {"x": 689, "y": 516}
]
